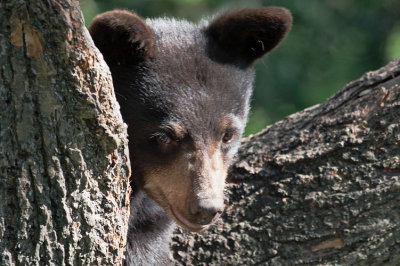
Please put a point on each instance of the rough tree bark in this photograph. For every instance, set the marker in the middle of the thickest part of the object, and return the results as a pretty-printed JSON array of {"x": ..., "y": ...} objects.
[
  {"x": 64, "y": 166},
  {"x": 320, "y": 187}
]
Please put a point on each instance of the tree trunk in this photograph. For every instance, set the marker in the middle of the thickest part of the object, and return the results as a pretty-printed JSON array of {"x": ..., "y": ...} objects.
[
  {"x": 320, "y": 187},
  {"x": 64, "y": 163}
]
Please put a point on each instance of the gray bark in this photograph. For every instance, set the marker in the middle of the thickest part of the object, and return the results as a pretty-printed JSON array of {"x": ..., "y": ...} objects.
[
  {"x": 319, "y": 187},
  {"x": 64, "y": 164}
]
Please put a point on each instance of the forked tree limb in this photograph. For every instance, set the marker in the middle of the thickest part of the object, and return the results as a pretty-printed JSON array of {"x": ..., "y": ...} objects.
[{"x": 319, "y": 187}]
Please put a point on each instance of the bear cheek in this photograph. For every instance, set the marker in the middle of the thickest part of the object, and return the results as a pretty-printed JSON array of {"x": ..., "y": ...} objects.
[{"x": 169, "y": 185}]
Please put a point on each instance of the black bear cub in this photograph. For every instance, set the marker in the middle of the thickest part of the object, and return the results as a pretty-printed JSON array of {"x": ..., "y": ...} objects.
[{"x": 184, "y": 91}]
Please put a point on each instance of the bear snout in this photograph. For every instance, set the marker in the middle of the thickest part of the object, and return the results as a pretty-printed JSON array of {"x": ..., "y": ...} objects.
[{"x": 205, "y": 211}]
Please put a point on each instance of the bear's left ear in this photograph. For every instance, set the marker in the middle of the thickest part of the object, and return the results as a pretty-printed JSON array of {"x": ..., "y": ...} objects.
[
  {"x": 122, "y": 37},
  {"x": 242, "y": 36}
]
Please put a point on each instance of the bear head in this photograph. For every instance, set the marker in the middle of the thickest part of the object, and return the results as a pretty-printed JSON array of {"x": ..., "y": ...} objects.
[{"x": 184, "y": 91}]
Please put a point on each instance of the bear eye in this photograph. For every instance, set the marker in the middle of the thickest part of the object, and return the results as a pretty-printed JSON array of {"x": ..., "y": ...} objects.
[
  {"x": 229, "y": 136},
  {"x": 162, "y": 138}
]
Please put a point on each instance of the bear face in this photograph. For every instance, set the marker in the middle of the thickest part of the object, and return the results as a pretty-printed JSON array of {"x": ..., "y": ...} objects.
[{"x": 184, "y": 92}]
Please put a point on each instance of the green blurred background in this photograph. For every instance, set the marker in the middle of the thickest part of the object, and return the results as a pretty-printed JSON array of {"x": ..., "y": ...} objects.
[{"x": 332, "y": 42}]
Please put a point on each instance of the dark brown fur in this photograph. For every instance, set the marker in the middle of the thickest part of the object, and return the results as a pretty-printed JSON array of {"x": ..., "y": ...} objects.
[{"x": 184, "y": 91}]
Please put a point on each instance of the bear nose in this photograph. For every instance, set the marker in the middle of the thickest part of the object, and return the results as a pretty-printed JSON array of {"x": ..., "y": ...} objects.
[{"x": 203, "y": 211}]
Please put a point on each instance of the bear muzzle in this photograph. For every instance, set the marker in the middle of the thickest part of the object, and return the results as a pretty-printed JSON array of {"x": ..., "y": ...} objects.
[
  {"x": 206, "y": 211},
  {"x": 200, "y": 214}
]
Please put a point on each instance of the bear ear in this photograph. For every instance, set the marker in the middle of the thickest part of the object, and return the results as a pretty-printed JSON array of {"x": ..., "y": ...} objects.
[
  {"x": 122, "y": 37},
  {"x": 242, "y": 36}
]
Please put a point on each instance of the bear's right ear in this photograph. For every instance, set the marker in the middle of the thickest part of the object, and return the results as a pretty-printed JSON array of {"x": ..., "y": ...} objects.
[{"x": 122, "y": 37}]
